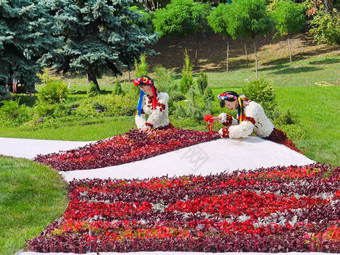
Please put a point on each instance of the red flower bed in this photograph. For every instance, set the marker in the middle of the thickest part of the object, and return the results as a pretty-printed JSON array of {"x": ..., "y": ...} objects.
[
  {"x": 281, "y": 209},
  {"x": 131, "y": 146}
]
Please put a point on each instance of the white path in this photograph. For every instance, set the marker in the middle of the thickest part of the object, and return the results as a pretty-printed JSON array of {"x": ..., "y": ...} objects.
[{"x": 205, "y": 158}]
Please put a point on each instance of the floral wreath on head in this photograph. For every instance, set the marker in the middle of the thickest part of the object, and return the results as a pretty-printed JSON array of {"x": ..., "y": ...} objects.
[
  {"x": 240, "y": 98},
  {"x": 142, "y": 81}
]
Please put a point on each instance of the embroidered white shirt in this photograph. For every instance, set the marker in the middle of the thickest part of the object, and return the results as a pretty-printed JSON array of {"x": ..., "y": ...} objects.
[
  {"x": 262, "y": 127},
  {"x": 156, "y": 117}
]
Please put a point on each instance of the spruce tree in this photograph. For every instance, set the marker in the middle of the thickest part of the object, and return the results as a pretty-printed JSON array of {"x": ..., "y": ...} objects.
[
  {"x": 26, "y": 28},
  {"x": 98, "y": 35}
]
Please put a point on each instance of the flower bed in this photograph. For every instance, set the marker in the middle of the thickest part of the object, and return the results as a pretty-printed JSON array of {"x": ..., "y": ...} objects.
[
  {"x": 282, "y": 209},
  {"x": 131, "y": 146}
]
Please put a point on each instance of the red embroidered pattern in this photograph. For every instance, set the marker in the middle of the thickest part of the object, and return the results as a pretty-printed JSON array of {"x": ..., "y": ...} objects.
[
  {"x": 228, "y": 121},
  {"x": 250, "y": 119},
  {"x": 148, "y": 124},
  {"x": 225, "y": 132}
]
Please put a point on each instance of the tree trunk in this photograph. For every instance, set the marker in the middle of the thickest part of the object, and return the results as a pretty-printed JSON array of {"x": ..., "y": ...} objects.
[
  {"x": 228, "y": 56},
  {"x": 197, "y": 47},
  {"x": 91, "y": 77},
  {"x": 256, "y": 66},
  {"x": 246, "y": 52},
  {"x": 290, "y": 52}
]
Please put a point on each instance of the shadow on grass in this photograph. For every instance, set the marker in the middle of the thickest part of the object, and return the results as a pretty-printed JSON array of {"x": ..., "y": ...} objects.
[
  {"x": 292, "y": 70},
  {"x": 325, "y": 62}
]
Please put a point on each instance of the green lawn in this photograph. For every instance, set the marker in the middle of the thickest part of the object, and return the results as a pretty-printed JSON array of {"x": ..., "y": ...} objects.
[{"x": 31, "y": 197}]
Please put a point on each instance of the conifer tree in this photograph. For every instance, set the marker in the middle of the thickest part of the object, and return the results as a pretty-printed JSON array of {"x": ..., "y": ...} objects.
[
  {"x": 26, "y": 28},
  {"x": 98, "y": 35}
]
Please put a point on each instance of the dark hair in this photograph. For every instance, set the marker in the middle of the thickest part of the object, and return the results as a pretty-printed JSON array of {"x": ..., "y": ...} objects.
[{"x": 231, "y": 99}]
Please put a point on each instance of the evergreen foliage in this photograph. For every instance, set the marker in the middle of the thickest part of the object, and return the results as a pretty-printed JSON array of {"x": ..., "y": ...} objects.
[
  {"x": 186, "y": 80},
  {"x": 53, "y": 92},
  {"x": 141, "y": 66},
  {"x": 92, "y": 90},
  {"x": 202, "y": 82},
  {"x": 26, "y": 34},
  {"x": 98, "y": 35},
  {"x": 117, "y": 88},
  {"x": 262, "y": 92}
]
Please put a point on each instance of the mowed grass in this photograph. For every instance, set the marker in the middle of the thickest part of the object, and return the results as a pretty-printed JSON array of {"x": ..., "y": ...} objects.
[
  {"x": 31, "y": 197},
  {"x": 75, "y": 130},
  {"x": 318, "y": 110}
]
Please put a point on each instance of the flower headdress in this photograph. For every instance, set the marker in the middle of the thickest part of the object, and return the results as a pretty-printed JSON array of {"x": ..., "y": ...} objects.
[
  {"x": 142, "y": 81},
  {"x": 241, "y": 98}
]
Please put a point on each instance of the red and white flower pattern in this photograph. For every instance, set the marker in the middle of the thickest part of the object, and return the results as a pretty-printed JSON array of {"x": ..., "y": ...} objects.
[{"x": 278, "y": 209}]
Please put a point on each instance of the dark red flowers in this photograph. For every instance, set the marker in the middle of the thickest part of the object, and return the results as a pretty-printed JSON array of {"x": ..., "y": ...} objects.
[{"x": 131, "y": 146}]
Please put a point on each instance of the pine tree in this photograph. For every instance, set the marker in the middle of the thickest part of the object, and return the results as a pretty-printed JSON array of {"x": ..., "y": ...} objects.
[
  {"x": 99, "y": 35},
  {"x": 26, "y": 28}
]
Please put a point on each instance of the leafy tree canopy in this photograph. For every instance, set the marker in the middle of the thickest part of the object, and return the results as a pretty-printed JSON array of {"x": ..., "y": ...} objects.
[
  {"x": 250, "y": 18},
  {"x": 181, "y": 18},
  {"x": 289, "y": 17},
  {"x": 218, "y": 19}
]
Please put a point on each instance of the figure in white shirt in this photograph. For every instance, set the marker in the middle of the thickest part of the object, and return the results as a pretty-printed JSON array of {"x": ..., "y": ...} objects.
[
  {"x": 152, "y": 103},
  {"x": 251, "y": 118}
]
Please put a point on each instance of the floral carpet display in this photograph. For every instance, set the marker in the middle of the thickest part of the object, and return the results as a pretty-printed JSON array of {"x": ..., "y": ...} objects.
[
  {"x": 131, "y": 146},
  {"x": 282, "y": 209}
]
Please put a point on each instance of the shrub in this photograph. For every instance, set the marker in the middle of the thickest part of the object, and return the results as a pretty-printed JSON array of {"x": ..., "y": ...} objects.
[
  {"x": 44, "y": 109},
  {"x": 325, "y": 27},
  {"x": 141, "y": 66},
  {"x": 261, "y": 92},
  {"x": 12, "y": 113},
  {"x": 186, "y": 80},
  {"x": 92, "y": 90},
  {"x": 165, "y": 79},
  {"x": 208, "y": 95},
  {"x": 117, "y": 88},
  {"x": 108, "y": 105},
  {"x": 177, "y": 96},
  {"x": 202, "y": 82},
  {"x": 53, "y": 92}
]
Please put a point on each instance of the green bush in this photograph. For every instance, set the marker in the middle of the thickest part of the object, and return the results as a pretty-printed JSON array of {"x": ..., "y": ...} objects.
[
  {"x": 202, "y": 82},
  {"x": 165, "y": 79},
  {"x": 92, "y": 90},
  {"x": 186, "y": 80},
  {"x": 286, "y": 118},
  {"x": 208, "y": 95},
  {"x": 117, "y": 88},
  {"x": 261, "y": 92},
  {"x": 43, "y": 109},
  {"x": 177, "y": 96},
  {"x": 107, "y": 105},
  {"x": 325, "y": 28},
  {"x": 12, "y": 113},
  {"x": 53, "y": 92}
]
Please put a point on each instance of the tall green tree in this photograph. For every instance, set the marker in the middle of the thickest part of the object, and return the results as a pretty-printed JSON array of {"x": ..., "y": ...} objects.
[
  {"x": 98, "y": 35},
  {"x": 218, "y": 20},
  {"x": 26, "y": 34},
  {"x": 289, "y": 19},
  {"x": 181, "y": 18},
  {"x": 250, "y": 19}
]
